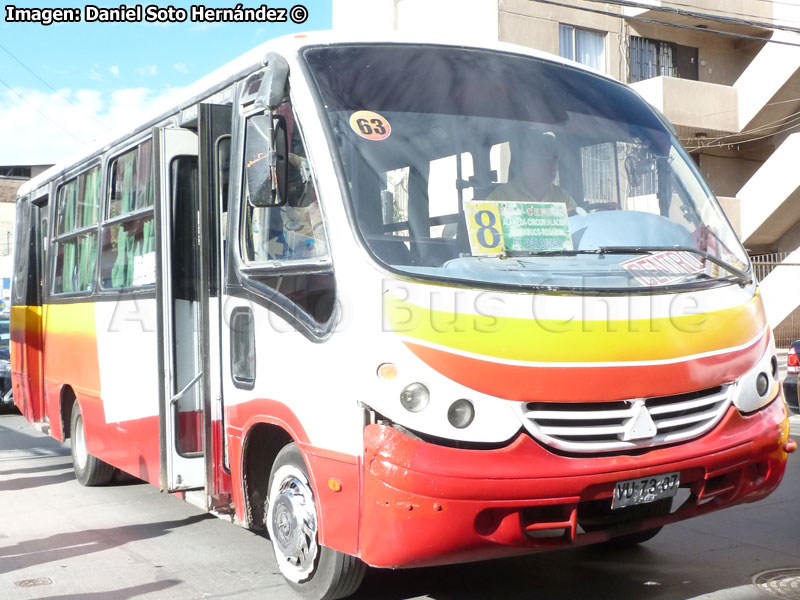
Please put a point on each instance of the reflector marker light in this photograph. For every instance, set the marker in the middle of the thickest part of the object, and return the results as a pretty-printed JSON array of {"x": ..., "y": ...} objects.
[{"x": 387, "y": 371}]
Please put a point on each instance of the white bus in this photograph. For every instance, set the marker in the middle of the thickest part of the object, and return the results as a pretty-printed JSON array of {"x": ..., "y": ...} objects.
[{"x": 322, "y": 294}]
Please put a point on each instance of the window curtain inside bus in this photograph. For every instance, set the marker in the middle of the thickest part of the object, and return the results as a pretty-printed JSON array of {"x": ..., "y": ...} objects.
[
  {"x": 87, "y": 244},
  {"x": 127, "y": 204},
  {"x": 66, "y": 219},
  {"x": 88, "y": 208},
  {"x": 144, "y": 179},
  {"x": 118, "y": 276},
  {"x": 87, "y": 259},
  {"x": 135, "y": 240},
  {"x": 128, "y": 248},
  {"x": 68, "y": 206},
  {"x": 68, "y": 268}
]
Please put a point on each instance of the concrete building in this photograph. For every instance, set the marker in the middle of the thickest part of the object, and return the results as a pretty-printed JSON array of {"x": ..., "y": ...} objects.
[{"x": 725, "y": 72}]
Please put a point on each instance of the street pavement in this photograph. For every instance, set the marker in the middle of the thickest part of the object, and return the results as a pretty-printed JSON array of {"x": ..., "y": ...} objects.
[{"x": 59, "y": 540}]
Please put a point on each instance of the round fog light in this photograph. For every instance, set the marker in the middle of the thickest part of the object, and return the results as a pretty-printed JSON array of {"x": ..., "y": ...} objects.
[
  {"x": 415, "y": 397},
  {"x": 461, "y": 413},
  {"x": 762, "y": 384}
]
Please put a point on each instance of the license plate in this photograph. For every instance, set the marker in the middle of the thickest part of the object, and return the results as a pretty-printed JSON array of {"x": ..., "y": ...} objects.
[{"x": 645, "y": 489}]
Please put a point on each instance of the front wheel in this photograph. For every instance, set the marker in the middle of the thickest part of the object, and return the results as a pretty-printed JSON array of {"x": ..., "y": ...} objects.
[
  {"x": 599, "y": 515},
  {"x": 89, "y": 470},
  {"x": 315, "y": 572}
]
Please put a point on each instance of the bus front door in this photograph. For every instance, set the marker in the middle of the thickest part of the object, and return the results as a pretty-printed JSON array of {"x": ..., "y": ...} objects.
[
  {"x": 214, "y": 128},
  {"x": 182, "y": 303}
]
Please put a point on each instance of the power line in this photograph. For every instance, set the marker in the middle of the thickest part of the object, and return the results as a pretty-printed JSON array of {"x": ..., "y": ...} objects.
[
  {"x": 7, "y": 51},
  {"x": 13, "y": 91},
  {"x": 731, "y": 12},
  {"x": 667, "y": 24},
  {"x": 794, "y": 4},
  {"x": 628, "y": 3},
  {"x": 699, "y": 15},
  {"x": 782, "y": 125},
  {"x": 755, "y": 139},
  {"x": 723, "y": 112},
  {"x": 782, "y": 122}
]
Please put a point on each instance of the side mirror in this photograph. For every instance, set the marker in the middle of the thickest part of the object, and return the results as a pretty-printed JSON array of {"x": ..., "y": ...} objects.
[
  {"x": 266, "y": 160},
  {"x": 266, "y": 151},
  {"x": 273, "y": 84}
]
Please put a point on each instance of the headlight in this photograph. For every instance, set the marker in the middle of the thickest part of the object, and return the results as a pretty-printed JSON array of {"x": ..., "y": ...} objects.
[
  {"x": 461, "y": 413},
  {"x": 415, "y": 397},
  {"x": 762, "y": 384},
  {"x": 759, "y": 386}
]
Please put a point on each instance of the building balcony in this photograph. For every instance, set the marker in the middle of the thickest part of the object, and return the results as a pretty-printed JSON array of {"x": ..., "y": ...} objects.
[
  {"x": 691, "y": 14},
  {"x": 693, "y": 105}
]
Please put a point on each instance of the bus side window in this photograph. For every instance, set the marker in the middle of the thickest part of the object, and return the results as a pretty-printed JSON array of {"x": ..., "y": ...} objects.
[
  {"x": 77, "y": 214},
  {"x": 128, "y": 242},
  {"x": 294, "y": 230},
  {"x": 219, "y": 212},
  {"x": 293, "y": 233}
]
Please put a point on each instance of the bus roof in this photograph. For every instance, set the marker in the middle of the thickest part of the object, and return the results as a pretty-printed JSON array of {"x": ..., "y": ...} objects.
[{"x": 253, "y": 59}]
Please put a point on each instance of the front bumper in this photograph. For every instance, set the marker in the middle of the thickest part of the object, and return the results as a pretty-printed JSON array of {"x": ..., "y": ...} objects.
[{"x": 426, "y": 504}]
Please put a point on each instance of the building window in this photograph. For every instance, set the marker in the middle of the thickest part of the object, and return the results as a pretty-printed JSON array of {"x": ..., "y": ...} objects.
[
  {"x": 654, "y": 58},
  {"x": 586, "y": 47},
  {"x": 21, "y": 172}
]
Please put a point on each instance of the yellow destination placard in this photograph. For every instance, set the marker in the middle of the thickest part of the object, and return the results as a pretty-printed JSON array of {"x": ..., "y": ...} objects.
[{"x": 485, "y": 229}]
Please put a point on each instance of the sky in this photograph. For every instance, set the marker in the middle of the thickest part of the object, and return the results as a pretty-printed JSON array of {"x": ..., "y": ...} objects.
[{"x": 67, "y": 87}]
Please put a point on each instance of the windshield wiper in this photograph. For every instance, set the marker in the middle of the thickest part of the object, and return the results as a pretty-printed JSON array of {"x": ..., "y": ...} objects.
[
  {"x": 740, "y": 275},
  {"x": 529, "y": 253}
]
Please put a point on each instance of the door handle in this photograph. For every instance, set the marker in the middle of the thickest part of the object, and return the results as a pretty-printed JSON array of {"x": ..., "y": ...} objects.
[{"x": 176, "y": 398}]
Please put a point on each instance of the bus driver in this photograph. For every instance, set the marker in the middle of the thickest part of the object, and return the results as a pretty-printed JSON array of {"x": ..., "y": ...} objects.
[{"x": 536, "y": 173}]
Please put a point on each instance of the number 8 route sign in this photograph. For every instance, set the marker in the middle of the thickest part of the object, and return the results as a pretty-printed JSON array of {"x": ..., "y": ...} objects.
[
  {"x": 497, "y": 227},
  {"x": 370, "y": 125}
]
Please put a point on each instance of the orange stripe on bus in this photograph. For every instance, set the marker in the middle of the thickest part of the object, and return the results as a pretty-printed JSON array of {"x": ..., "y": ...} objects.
[{"x": 588, "y": 383}]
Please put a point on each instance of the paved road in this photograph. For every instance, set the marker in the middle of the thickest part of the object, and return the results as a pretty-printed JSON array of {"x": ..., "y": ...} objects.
[{"x": 59, "y": 540}]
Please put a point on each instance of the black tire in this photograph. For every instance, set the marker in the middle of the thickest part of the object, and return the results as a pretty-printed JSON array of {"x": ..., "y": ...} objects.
[
  {"x": 602, "y": 517},
  {"x": 89, "y": 470},
  {"x": 632, "y": 539},
  {"x": 321, "y": 573}
]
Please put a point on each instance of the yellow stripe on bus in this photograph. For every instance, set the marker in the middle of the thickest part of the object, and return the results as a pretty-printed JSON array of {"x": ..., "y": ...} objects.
[
  {"x": 24, "y": 318},
  {"x": 71, "y": 318},
  {"x": 541, "y": 340}
]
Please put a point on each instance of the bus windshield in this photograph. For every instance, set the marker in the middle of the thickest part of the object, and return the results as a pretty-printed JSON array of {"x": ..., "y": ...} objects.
[{"x": 506, "y": 170}]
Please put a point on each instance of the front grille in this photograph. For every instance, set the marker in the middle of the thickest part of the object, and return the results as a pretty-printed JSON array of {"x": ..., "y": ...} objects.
[{"x": 609, "y": 426}]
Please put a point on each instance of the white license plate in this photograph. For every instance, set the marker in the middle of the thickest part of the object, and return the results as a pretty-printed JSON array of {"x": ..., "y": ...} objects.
[{"x": 645, "y": 489}]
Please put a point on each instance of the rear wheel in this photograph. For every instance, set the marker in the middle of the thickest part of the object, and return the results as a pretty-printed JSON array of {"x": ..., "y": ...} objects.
[
  {"x": 314, "y": 571},
  {"x": 89, "y": 470}
]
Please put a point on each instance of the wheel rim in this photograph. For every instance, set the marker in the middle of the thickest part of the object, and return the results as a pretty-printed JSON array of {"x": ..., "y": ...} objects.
[
  {"x": 292, "y": 522},
  {"x": 79, "y": 444}
]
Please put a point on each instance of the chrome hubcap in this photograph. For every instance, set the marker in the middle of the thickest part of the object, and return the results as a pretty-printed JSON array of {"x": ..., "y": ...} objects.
[
  {"x": 292, "y": 520},
  {"x": 79, "y": 444}
]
